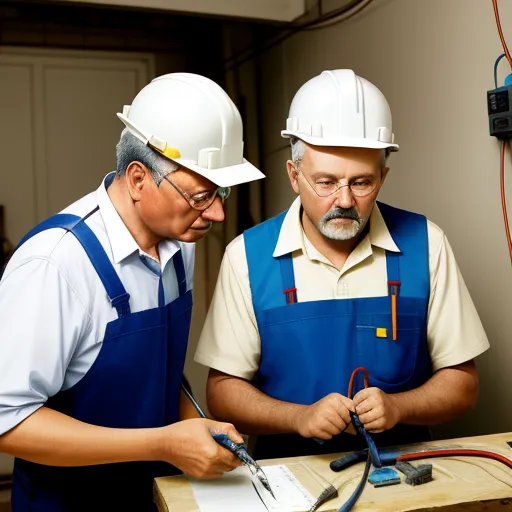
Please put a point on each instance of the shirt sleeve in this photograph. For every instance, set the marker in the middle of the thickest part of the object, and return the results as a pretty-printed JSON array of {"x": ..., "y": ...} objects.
[
  {"x": 230, "y": 340},
  {"x": 41, "y": 322},
  {"x": 454, "y": 331}
]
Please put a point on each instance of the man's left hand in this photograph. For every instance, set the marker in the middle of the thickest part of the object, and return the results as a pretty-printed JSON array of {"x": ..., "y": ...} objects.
[{"x": 376, "y": 410}]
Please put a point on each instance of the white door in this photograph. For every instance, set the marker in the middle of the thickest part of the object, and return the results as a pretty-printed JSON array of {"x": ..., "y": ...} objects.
[
  {"x": 58, "y": 126},
  {"x": 58, "y": 130}
]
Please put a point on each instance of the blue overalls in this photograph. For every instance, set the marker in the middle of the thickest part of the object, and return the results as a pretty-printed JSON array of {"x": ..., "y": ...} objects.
[
  {"x": 133, "y": 383},
  {"x": 309, "y": 349}
]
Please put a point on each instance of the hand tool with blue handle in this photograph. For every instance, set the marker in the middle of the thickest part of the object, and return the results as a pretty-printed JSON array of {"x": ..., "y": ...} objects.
[
  {"x": 240, "y": 451},
  {"x": 387, "y": 457},
  {"x": 237, "y": 449}
]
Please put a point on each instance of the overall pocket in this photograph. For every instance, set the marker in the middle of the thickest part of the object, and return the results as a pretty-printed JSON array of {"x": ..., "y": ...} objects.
[{"x": 391, "y": 363}]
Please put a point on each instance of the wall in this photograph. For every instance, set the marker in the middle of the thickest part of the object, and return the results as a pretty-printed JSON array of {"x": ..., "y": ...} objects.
[{"x": 433, "y": 60}]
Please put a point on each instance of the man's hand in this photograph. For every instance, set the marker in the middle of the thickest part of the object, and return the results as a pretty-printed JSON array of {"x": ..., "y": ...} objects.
[
  {"x": 376, "y": 410},
  {"x": 189, "y": 446},
  {"x": 325, "y": 418}
]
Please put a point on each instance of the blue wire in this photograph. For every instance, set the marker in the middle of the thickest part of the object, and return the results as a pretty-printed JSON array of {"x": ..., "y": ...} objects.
[
  {"x": 372, "y": 448},
  {"x": 496, "y": 70},
  {"x": 359, "y": 489}
]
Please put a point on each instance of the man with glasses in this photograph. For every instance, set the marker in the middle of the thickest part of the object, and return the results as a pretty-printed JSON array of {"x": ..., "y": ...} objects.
[
  {"x": 95, "y": 308},
  {"x": 339, "y": 282}
]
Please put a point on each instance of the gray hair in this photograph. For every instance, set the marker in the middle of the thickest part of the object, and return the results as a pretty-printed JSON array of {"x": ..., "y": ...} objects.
[
  {"x": 298, "y": 147},
  {"x": 130, "y": 149}
]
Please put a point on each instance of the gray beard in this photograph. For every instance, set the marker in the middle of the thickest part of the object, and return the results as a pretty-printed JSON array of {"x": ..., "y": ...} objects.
[
  {"x": 329, "y": 230},
  {"x": 346, "y": 232}
]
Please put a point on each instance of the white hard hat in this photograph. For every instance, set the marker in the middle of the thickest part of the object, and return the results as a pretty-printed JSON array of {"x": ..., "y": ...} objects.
[
  {"x": 339, "y": 108},
  {"x": 191, "y": 120}
]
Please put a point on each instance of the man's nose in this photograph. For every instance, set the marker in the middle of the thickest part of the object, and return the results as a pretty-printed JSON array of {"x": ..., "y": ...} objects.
[
  {"x": 215, "y": 212},
  {"x": 344, "y": 197}
]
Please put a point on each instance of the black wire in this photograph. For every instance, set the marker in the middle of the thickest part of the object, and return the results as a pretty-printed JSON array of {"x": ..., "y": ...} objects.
[
  {"x": 336, "y": 22},
  {"x": 297, "y": 28},
  {"x": 249, "y": 48}
]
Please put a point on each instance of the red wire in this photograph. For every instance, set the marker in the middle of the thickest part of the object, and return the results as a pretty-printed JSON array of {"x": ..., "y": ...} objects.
[
  {"x": 500, "y": 31},
  {"x": 352, "y": 377},
  {"x": 454, "y": 453},
  {"x": 504, "y": 198}
]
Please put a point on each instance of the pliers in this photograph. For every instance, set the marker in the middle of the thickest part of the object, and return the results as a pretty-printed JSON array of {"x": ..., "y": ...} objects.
[
  {"x": 240, "y": 451},
  {"x": 387, "y": 457},
  {"x": 237, "y": 449}
]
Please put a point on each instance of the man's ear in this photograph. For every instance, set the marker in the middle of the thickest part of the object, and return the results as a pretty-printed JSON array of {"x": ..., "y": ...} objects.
[
  {"x": 293, "y": 175},
  {"x": 137, "y": 177}
]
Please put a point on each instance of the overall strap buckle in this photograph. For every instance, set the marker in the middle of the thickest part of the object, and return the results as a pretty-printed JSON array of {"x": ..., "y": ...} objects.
[
  {"x": 121, "y": 303},
  {"x": 291, "y": 295}
]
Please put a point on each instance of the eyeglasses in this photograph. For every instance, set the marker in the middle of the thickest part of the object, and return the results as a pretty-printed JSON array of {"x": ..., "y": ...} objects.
[
  {"x": 202, "y": 200},
  {"x": 324, "y": 186}
]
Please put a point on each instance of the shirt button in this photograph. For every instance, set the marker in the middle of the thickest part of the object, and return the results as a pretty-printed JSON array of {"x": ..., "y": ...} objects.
[{"x": 341, "y": 289}]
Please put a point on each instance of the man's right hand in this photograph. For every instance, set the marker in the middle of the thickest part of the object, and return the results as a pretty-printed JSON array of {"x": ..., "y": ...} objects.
[
  {"x": 325, "y": 418},
  {"x": 189, "y": 446}
]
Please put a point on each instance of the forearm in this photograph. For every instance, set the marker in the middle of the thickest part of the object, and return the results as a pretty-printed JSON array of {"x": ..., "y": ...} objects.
[
  {"x": 251, "y": 411},
  {"x": 49, "y": 437},
  {"x": 449, "y": 393}
]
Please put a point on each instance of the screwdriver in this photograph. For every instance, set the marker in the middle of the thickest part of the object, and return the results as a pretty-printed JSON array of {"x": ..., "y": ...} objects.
[{"x": 237, "y": 449}]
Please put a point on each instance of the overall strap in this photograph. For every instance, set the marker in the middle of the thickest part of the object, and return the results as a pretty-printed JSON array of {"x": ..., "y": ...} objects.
[
  {"x": 408, "y": 270},
  {"x": 181, "y": 275},
  {"x": 393, "y": 269},
  {"x": 289, "y": 289},
  {"x": 116, "y": 292},
  {"x": 181, "y": 279},
  {"x": 410, "y": 266},
  {"x": 268, "y": 274}
]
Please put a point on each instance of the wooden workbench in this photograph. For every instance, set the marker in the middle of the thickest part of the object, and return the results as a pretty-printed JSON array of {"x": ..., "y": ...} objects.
[{"x": 460, "y": 484}]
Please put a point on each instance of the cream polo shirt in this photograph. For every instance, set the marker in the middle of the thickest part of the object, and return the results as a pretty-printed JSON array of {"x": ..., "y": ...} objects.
[{"x": 230, "y": 340}]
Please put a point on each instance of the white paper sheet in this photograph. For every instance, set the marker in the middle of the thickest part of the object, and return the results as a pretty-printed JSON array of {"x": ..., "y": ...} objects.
[{"x": 235, "y": 492}]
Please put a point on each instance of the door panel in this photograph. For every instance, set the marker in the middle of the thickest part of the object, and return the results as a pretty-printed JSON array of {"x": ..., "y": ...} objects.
[{"x": 59, "y": 126}]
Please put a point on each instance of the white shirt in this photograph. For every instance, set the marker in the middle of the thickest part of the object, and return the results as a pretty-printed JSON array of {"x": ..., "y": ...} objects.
[{"x": 54, "y": 309}]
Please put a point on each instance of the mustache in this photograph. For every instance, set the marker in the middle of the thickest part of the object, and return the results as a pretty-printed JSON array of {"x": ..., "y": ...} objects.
[
  {"x": 206, "y": 226},
  {"x": 342, "y": 213}
]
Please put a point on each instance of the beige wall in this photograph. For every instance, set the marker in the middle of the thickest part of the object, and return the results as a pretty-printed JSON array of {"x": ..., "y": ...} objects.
[{"x": 433, "y": 60}]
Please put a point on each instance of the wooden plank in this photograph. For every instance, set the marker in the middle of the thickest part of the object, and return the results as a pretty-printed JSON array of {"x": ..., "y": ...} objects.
[{"x": 460, "y": 483}]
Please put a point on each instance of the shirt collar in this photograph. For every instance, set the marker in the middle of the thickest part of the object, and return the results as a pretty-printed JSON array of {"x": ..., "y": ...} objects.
[
  {"x": 121, "y": 240},
  {"x": 292, "y": 237}
]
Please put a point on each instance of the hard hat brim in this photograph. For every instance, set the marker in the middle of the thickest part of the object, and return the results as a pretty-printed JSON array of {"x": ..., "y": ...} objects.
[
  {"x": 225, "y": 176},
  {"x": 350, "y": 142}
]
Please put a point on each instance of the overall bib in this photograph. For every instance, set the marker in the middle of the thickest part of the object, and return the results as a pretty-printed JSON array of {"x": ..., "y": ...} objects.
[
  {"x": 309, "y": 349},
  {"x": 133, "y": 383}
]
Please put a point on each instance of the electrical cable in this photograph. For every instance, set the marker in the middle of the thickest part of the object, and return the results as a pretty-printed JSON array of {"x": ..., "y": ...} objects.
[
  {"x": 459, "y": 452},
  {"x": 248, "y": 48},
  {"x": 504, "y": 197},
  {"x": 496, "y": 70},
  {"x": 366, "y": 378},
  {"x": 349, "y": 504},
  {"x": 503, "y": 142},
  {"x": 336, "y": 16},
  {"x": 500, "y": 31},
  {"x": 373, "y": 455},
  {"x": 342, "y": 17}
]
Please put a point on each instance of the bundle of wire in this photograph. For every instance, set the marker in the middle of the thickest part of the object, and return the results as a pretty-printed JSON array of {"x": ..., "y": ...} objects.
[{"x": 373, "y": 454}]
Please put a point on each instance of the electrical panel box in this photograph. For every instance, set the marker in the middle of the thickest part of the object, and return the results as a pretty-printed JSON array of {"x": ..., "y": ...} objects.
[{"x": 499, "y": 108}]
